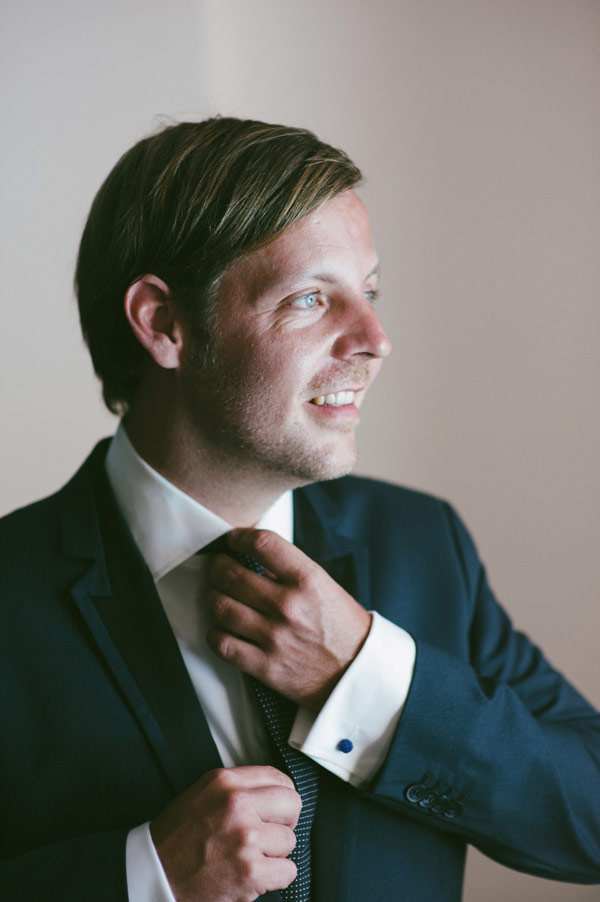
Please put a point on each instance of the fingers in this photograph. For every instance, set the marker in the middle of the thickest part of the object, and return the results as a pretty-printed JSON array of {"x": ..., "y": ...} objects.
[
  {"x": 270, "y": 873},
  {"x": 282, "y": 558},
  {"x": 272, "y": 793},
  {"x": 234, "y": 616},
  {"x": 277, "y": 841},
  {"x": 238, "y": 651},
  {"x": 231, "y": 578},
  {"x": 255, "y": 775},
  {"x": 278, "y": 873},
  {"x": 277, "y": 805}
]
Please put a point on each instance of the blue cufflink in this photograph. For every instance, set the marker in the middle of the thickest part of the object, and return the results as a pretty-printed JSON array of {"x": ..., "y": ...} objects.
[{"x": 345, "y": 745}]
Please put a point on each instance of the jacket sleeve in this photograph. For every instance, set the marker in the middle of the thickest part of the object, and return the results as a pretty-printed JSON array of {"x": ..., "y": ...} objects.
[
  {"x": 499, "y": 750},
  {"x": 88, "y": 867}
]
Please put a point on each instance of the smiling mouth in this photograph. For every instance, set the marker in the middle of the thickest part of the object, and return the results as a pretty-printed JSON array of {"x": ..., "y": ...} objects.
[{"x": 336, "y": 399}]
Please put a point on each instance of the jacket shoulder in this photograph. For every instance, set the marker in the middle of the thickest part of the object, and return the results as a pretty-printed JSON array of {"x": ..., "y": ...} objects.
[
  {"x": 29, "y": 526},
  {"x": 35, "y": 529},
  {"x": 377, "y": 512},
  {"x": 363, "y": 495}
]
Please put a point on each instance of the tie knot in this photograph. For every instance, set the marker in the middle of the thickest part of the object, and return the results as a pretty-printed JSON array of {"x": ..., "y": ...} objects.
[
  {"x": 220, "y": 546},
  {"x": 217, "y": 546}
]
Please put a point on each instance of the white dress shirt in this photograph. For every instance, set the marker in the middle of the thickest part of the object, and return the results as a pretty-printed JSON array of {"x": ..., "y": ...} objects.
[{"x": 169, "y": 527}]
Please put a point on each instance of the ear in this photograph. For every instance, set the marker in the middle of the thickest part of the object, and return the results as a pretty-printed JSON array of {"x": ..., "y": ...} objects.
[{"x": 150, "y": 310}]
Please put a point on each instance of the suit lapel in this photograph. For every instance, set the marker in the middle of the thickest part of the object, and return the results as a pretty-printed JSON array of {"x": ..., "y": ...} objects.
[{"x": 118, "y": 601}]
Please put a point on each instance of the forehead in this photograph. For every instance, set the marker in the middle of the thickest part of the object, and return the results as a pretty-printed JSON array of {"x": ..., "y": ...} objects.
[{"x": 333, "y": 243}]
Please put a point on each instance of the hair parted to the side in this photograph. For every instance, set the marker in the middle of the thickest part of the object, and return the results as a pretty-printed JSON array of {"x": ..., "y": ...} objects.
[{"x": 185, "y": 204}]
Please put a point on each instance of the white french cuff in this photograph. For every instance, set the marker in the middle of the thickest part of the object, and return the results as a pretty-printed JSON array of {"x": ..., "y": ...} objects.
[
  {"x": 146, "y": 880},
  {"x": 364, "y": 708}
]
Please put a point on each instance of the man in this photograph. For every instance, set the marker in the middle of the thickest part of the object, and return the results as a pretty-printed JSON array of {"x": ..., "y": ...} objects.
[{"x": 226, "y": 284}]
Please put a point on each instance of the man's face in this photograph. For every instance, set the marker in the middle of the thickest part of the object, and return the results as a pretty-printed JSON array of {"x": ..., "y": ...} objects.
[{"x": 296, "y": 345}]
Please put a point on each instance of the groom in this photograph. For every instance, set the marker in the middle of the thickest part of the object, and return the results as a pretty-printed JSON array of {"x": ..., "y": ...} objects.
[{"x": 227, "y": 287}]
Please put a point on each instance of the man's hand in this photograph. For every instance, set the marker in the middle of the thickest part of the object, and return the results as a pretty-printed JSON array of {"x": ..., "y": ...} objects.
[
  {"x": 226, "y": 838},
  {"x": 294, "y": 629}
]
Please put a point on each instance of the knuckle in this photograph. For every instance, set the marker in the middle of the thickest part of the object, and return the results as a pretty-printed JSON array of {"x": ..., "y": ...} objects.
[
  {"x": 297, "y": 805},
  {"x": 214, "y": 782},
  {"x": 269, "y": 670},
  {"x": 305, "y": 583},
  {"x": 224, "y": 645},
  {"x": 291, "y": 839},
  {"x": 230, "y": 574},
  {"x": 249, "y": 869},
  {"x": 288, "y": 607},
  {"x": 278, "y": 776},
  {"x": 233, "y": 795},
  {"x": 271, "y": 640},
  {"x": 246, "y": 837},
  {"x": 224, "y": 778},
  {"x": 262, "y": 540},
  {"x": 234, "y": 806},
  {"x": 220, "y": 606}
]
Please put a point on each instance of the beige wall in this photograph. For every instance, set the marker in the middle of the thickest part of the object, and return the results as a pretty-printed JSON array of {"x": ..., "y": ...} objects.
[{"x": 476, "y": 123}]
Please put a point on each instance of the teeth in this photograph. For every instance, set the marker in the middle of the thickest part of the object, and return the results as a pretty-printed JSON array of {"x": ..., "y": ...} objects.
[{"x": 339, "y": 399}]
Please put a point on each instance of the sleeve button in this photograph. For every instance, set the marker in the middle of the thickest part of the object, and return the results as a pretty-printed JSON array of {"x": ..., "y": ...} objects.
[
  {"x": 429, "y": 799},
  {"x": 345, "y": 745},
  {"x": 440, "y": 806},
  {"x": 453, "y": 810},
  {"x": 415, "y": 792}
]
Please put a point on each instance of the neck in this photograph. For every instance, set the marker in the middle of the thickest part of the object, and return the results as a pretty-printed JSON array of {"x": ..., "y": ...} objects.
[{"x": 237, "y": 492}]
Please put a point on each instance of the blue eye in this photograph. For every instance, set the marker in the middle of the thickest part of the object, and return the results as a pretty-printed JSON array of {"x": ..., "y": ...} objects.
[
  {"x": 371, "y": 296},
  {"x": 307, "y": 301}
]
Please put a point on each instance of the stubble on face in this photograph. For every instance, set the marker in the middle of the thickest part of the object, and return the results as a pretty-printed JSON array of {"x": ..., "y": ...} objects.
[{"x": 232, "y": 402}]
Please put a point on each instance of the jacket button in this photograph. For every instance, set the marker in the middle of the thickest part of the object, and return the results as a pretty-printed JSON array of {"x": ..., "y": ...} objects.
[
  {"x": 415, "y": 792},
  {"x": 429, "y": 799}
]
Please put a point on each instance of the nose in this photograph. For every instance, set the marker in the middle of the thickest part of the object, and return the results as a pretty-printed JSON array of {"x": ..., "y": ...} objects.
[{"x": 363, "y": 334}]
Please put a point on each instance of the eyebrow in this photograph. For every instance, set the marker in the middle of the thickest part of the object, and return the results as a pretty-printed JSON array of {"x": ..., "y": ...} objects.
[
  {"x": 305, "y": 275},
  {"x": 326, "y": 277}
]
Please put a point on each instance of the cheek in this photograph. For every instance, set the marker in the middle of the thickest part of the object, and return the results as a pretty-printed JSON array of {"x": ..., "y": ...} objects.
[
  {"x": 265, "y": 373},
  {"x": 275, "y": 363}
]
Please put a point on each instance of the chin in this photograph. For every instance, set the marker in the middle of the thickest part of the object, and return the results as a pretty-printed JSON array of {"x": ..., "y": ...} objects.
[
  {"x": 328, "y": 464},
  {"x": 291, "y": 461},
  {"x": 333, "y": 469}
]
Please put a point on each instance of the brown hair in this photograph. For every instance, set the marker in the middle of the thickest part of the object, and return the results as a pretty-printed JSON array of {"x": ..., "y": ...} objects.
[{"x": 185, "y": 204}]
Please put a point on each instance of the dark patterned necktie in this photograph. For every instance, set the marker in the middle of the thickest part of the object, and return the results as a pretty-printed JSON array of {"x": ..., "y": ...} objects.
[{"x": 279, "y": 714}]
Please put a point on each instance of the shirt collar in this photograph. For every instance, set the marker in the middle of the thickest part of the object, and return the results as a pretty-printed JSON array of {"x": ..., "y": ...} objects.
[{"x": 168, "y": 525}]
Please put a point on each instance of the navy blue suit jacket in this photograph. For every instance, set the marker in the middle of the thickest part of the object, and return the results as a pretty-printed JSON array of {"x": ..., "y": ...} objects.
[{"x": 101, "y": 726}]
